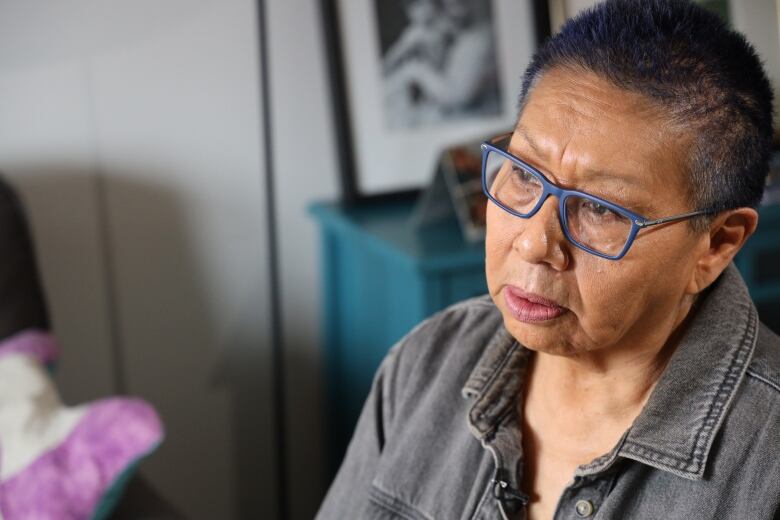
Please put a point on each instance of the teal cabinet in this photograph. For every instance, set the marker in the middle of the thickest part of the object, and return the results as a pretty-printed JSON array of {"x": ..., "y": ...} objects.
[
  {"x": 381, "y": 278},
  {"x": 759, "y": 263}
]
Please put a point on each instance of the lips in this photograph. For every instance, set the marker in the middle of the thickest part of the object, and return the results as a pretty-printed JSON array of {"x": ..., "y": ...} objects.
[{"x": 529, "y": 307}]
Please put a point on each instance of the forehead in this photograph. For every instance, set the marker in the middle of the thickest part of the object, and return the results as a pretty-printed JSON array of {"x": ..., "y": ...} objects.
[{"x": 586, "y": 131}]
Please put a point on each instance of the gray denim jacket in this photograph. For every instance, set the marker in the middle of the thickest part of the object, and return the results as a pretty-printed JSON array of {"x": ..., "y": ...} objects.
[{"x": 439, "y": 436}]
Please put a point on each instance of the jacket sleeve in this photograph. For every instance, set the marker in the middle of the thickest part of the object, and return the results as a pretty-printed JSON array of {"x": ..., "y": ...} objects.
[{"x": 349, "y": 491}]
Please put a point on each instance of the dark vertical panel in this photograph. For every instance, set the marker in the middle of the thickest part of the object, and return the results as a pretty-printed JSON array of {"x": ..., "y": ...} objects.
[
  {"x": 541, "y": 10},
  {"x": 340, "y": 103},
  {"x": 277, "y": 353}
]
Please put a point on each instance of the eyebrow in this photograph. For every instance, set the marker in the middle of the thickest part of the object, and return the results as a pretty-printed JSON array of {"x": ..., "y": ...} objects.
[
  {"x": 602, "y": 174},
  {"x": 530, "y": 140}
]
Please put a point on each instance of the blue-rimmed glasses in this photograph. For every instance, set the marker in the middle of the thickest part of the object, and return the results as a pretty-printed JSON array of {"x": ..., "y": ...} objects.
[{"x": 591, "y": 223}]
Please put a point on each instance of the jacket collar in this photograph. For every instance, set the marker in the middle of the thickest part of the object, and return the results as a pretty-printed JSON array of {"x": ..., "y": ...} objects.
[{"x": 675, "y": 430}]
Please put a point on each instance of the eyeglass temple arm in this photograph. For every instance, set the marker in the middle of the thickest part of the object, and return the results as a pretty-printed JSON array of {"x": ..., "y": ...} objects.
[{"x": 646, "y": 223}]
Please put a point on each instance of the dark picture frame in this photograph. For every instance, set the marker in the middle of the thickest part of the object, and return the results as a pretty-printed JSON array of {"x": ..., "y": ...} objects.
[{"x": 352, "y": 191}]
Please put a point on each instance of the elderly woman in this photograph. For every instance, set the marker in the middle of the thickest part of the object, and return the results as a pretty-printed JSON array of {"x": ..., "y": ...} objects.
[{"x": 617, "y": 369}]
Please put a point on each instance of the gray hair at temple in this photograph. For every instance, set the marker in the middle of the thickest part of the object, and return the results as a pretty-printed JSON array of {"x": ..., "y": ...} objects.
[{"x": 704, "y": 76}]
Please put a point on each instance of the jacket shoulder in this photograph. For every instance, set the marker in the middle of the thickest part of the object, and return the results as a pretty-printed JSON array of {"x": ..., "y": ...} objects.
[
  {"x": 439, "y": 353},
  {"x": 465, "y": 325}
]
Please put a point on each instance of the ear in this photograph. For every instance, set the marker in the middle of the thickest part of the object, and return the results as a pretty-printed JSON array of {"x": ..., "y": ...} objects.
[{"x": 726, "y": 236}]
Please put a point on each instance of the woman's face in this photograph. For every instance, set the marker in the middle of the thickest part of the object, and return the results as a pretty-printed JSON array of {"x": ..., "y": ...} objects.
[{"x": 585, "y": 134}]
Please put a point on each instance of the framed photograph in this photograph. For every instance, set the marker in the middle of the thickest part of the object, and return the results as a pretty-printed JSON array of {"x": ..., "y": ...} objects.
[
  {"x": 456, "y": 191},
  {"x": 411, "y": 78}
]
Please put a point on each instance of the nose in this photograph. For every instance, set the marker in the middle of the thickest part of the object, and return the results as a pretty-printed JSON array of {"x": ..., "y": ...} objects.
[{"x": 541, "y": 238}]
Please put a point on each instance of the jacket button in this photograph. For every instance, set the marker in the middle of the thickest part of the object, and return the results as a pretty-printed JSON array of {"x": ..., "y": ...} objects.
[{"x": 584, "y": 508}]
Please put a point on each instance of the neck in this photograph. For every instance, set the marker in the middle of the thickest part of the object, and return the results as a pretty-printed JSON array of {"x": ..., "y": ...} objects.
[{"x": 573, "y": 387}]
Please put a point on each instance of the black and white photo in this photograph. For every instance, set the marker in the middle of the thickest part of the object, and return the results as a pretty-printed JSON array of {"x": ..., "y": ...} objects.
[
  {"x": 438, "y": 61},
  {"x": 415, "y": 77}
]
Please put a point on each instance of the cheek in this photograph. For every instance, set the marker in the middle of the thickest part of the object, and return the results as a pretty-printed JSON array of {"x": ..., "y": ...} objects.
[
  {"x": 604, "y": 312},
  {"x": 607, "y": 296},
  {"x": 618, "y": 297}
]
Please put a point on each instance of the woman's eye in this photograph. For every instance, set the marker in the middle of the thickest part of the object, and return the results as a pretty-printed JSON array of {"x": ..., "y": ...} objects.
[
  {"x": 598, "y": 210},
  {"x": 523, "y": 176}
]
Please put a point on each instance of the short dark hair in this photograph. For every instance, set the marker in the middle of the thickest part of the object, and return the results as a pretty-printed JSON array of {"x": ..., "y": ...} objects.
[{"x": 704, "y": 75}]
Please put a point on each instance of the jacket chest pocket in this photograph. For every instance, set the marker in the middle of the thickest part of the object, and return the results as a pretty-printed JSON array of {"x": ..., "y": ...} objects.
[{"x": 385, "y": 506}]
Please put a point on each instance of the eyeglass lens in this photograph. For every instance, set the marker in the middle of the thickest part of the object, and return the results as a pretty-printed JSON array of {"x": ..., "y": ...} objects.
[{"x": 589, "y": 223}]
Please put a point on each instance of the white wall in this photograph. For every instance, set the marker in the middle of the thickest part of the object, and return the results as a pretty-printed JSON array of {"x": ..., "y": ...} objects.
[
  {"x": 133, "y": 131},
  {"x": 758, "y": 19}
]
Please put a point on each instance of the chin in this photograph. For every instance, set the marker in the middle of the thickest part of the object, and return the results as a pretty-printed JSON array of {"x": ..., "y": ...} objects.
[{"x": 545, "y": 339}]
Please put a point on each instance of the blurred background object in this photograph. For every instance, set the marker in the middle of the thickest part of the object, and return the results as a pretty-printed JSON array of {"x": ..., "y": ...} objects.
[
  {"x": 456, "y": 192},
  {"x": 48, "y": 446}
]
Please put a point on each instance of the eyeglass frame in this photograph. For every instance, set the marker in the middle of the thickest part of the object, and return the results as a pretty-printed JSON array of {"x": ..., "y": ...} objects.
[{"x": 638, "y": 222}]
